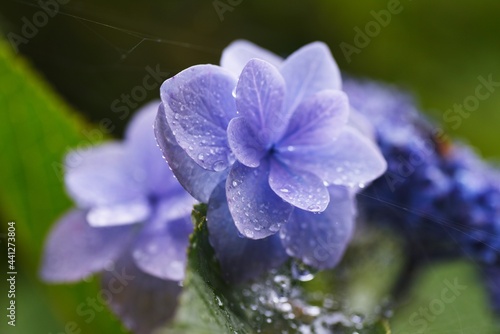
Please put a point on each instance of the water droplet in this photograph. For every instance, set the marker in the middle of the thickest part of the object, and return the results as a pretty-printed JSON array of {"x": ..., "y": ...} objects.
[
  {"x": 234, "y": 183},
  {"x": 284, "y": 190},
  {"x": 258, "y": 227},
  {"x": 282, "y": 281},
  {"x": 290, "y": 148},
  {"x": 301, "y": 272},
  {"x": 248, "y": 232},
  {"x": 312, "y": 311},
  {"x": 274, "y": 227},
  {"x": 201, "y": 157},
  {"x": 314, "y": 208},
  {"x": 219, "y": 166}
]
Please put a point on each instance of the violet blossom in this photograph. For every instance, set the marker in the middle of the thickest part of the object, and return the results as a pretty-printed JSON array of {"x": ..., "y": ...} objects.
[
  {"x": 269, "y": 145},
  {"x": 132, "y": 223}
]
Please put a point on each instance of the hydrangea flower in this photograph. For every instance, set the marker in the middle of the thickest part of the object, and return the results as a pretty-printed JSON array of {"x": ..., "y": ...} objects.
[
  {"x": 132, "y": 223},
  {"x": 266, "y": 142},
  {"x": 447, "y": 197}
]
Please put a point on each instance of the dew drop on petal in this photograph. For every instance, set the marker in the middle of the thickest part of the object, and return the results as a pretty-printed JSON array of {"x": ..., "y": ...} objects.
[
  {"x": 274, "y": 228},
  {"x": 248, "y": 232},
  {"x": 314, "y": 208},
  {"x": 219, "y": 166}
]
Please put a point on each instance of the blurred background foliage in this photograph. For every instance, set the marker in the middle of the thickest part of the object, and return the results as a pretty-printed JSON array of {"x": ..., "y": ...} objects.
[{"x": 92, "y": 52}]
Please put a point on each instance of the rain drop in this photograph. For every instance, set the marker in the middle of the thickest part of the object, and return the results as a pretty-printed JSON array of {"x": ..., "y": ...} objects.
[
  {"x": 248, "y": 232},
  {"x": 219, "y": 166},
  {"x": 301, "y": 272},
  {"x": 314, "y": 208},
  {"x": 274, "y": 228}
]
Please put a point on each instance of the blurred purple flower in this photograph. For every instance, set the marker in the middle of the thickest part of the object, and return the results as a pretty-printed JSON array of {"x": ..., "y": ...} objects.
[
  {"x": 272, "y": 138},
  {"x": 132, "y": 221}
]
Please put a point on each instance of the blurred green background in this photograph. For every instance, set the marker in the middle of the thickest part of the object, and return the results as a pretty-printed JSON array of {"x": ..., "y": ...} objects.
[{"x": 91, "y": 52}]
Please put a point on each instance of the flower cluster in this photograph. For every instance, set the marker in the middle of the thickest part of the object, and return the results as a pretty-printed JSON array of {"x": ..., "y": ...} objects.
[
  {"x": 132, "y": 223},
  {"x": 278, "y": 149},
  {"x": 266, "y": 142},
  {"x": 443, "y": 197}
]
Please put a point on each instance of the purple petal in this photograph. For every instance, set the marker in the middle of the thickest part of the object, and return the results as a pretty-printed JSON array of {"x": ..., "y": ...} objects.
[
  {"x": 309, "y": 70},
  {"x": 102, "y": 175},
  {"x": 361, "y": 123},
  {"x": 317, "y": 121},
  {"x": 299, "y": 188},
  {"x": 201, "y": 105},
  {"x": 257, "y": 211},
  {"x": 125, "y": 213},
  {"x": 248, "y": 152},
  {"x": 143, "y": 302},
  {"x": 319, "y": 240},
  {"x": 238, "y": 54},
  {"x": 161, "y": 247},
  {"x": 241, "y": 259},
  {"x": 351, "y": 160},
  {"x": 75, "y": 250},
  {"x": 259, "y": 99},
  {"x": 144, "y": 151},
  {"x": 197, "y": 181}
]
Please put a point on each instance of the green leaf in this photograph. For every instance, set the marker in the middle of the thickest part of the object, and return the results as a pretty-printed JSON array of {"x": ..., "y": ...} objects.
[
  {"x": 37, "y": 129},
  {"x": 208, "y": 305},
  {"x": 279, "y": 302},
  {"x": 446, "y": 297}
]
